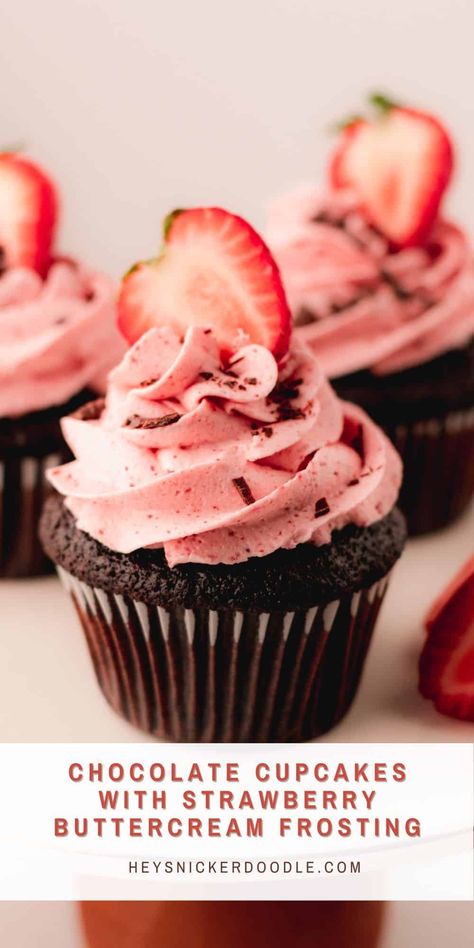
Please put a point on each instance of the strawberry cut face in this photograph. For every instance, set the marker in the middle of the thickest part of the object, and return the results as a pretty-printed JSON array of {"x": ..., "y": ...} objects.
[
  {"x": 447, "y": 659},
  {"x": 215, "y": 271},
  {"x": 399, "y": 165},
  {"x": 28, "y": 210}
]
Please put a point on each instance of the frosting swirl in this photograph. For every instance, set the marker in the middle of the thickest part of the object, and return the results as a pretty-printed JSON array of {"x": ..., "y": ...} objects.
[
  {"x": 57, "y": 335},
  {"x": 359, "y": 304},
  {"x": 221, "y": 464}
]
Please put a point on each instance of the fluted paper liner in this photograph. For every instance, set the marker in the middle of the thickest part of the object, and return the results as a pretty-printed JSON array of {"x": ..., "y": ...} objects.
[
  {"x": 225, "y": 675},
  {"x": 438, "y": 461},
  {"x": 23, "y": 491}
]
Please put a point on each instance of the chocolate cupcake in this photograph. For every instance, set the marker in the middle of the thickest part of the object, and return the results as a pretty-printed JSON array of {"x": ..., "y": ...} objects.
[
  {"x": 57, "y": 339},
  {"x": 383, "y": 292},
  {"x": 227, "y": 528},
  {"x": 288, "y": 924}
]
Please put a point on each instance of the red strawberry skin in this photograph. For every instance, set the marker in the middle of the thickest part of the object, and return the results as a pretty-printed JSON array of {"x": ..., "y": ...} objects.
[
  {"x": 447, "y": 659},
  {"x": 338, "y": 174},
  {"x": 405, "y": 175},
  {"x": 28, "y": 212},
  {"x": 214, "y": 271}
]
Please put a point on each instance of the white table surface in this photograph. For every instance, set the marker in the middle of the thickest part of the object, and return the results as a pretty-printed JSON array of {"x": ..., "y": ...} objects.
[{"x": 48, "y": 693}]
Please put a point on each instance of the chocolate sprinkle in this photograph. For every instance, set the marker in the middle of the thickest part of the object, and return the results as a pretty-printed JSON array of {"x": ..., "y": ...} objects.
[
  {"x": 321, "y": 507},
  {"x": 353, "y": 482},
  {"x": 284, "y": 392},
  {"x": 288, "y": 413},
  {"x": 282, "y": 395},
  {"x": 136, "y": 421},
  {"x": 394, "y": 285},
  {"x": 206, "y": 376},
  {"x": 91, "y": 411},
  {"x": 244, "y": 490}
]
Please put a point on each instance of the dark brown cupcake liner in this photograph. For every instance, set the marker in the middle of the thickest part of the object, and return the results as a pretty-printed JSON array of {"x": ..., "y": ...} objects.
[
  {"x": 23, "y": 490},
  {"x": 225, "y": 675},
  {"x": 438, "y": 459},
  {"x": 29, "y": 445}
]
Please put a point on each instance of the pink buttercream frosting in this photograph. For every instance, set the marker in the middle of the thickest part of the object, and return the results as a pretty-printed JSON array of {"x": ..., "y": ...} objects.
[
  {"x": 359, "y": 304},
  {"x": 221, "y": 464},
  {"x": 57, "y": 336}
]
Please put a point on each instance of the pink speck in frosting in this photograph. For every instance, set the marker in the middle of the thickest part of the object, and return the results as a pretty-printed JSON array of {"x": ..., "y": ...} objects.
[
  {"x": 219, "y": 474},
  {"x": 356, "y": 302}
]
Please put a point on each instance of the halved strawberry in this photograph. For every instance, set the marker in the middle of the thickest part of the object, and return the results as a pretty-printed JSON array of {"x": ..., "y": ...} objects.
[
  {"x": 447, "y": 659},
  {"x": 28, "y": 208},
  {"x": 214, "y": 271},
  {"x": 399, "y": 164}
]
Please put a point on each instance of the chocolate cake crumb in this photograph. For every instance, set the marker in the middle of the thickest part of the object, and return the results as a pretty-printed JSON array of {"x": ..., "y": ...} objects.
[
  {"x": 244, "y": 490},
  {"x": 206, "y": 376},
  {"x": 306, "y": 576},
  {"x": 353, "y": 482},
  {"x": 321, "y": 507},
  {"x": 136, "y": 421}
]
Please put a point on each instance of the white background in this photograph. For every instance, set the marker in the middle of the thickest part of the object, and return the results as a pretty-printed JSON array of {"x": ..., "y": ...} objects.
[
  {"x": 437, "y": 791},
  {"x": 140, "y": 106}
]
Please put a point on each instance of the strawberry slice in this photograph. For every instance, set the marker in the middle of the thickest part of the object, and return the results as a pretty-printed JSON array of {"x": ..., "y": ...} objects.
[
  {"x": 447, "y": 659},
  {"x": 399, "y": 164},
  {"x": 214, "y": 271},
  {"x": 28, "y": 207}
]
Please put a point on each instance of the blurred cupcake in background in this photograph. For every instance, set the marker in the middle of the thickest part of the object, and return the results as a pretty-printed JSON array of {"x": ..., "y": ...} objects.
[
  {"x": 233, "y": 924},
  {"x": 57, "y": 341},
  {"x": 228, "y": 526},
  {"x": 381, "y": 286}
]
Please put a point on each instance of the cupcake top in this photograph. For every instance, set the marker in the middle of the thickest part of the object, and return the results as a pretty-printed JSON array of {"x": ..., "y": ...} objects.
[
  {"x": 376, "y": 277},
  {"x": 219, "y": 438},
  {"x": 57, "y": 318}
]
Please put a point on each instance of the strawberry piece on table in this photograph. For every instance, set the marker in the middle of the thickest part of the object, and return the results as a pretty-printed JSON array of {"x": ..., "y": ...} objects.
[
  {"x": 447, "y": 659},
  {"x": 214, "y": 271},
  {"x": 399, "y": 164},
  {"x": 28, "y": 208}
]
